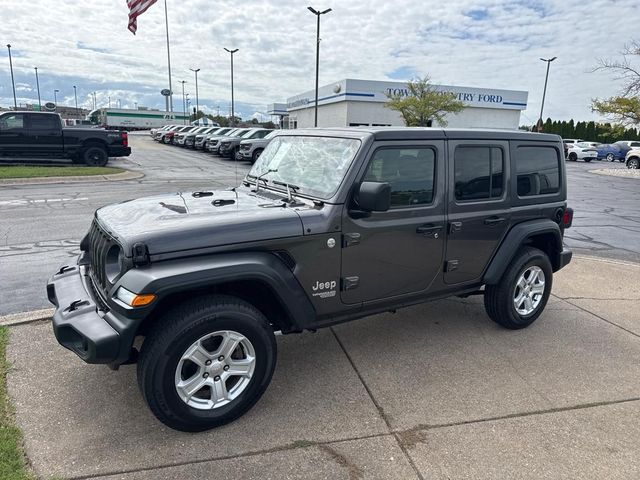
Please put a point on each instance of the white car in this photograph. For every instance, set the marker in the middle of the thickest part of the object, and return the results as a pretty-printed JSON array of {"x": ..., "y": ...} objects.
[
  {"x": 632, "y": 159},
  {"x": 582, "y": 151}
]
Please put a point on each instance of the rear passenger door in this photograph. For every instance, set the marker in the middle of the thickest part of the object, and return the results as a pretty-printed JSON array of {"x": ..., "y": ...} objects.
[
  {"x": 478, "y": 206},
  {"x": 45, "y": 132}
]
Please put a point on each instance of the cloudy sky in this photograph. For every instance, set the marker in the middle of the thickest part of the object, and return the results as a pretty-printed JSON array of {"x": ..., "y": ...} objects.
[{"x": 491, "y": 44}]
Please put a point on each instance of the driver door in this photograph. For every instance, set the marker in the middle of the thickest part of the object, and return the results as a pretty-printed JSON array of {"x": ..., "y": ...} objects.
[{"x": 400, "y": 251}]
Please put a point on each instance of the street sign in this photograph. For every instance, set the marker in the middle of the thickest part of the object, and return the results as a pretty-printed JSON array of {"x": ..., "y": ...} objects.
[{"x": 50, "y": 106}]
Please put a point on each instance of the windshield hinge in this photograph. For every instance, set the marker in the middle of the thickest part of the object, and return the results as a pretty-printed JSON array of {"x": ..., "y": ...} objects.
[{"x": 141, "y": 255}]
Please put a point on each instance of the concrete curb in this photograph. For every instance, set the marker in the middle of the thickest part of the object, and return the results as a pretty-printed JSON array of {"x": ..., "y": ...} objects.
[
  {"x": 116, "y": 177},
  {"x": 607, "y": 260},
  {"x": 26, "y": 317},
  {"x": 617, "y": 172}
]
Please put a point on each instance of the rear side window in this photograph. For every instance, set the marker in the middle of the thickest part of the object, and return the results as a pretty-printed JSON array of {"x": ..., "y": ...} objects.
[
  {"x": 44, "y": 122},
  {"x": 409, "y": 172},
  {"x": 478, "y": 173},
  {"x": 12, "y": 122},
  {"x": 537, "y": 170}
]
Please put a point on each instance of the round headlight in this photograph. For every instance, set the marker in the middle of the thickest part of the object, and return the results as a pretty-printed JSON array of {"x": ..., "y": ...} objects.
[{"x": 113, "y": 263}]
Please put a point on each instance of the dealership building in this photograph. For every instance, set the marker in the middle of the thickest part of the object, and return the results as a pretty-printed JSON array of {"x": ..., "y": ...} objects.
[{"x": 352, "y": 103}]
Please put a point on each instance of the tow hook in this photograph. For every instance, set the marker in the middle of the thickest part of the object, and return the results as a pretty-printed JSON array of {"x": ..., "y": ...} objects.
[{"x": 76, "y": 304}]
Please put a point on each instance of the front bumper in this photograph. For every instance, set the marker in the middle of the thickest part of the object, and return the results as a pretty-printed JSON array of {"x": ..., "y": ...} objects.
[{"x": 80, "y": 324}]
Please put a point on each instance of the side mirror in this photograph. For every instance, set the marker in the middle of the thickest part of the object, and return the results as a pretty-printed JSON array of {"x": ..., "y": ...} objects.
[{"x": 374, "y": 196}]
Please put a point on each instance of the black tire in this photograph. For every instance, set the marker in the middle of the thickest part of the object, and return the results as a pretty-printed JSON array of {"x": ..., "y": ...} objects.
[
  {"x": 95, "y": 156},
  {"x": 633, "y": 162},
  {"x": 499, "y": 298},
  {"x": 175, "y": 332},
  {"x": 610, "y": 157},
  {"x": 587, "y": 160},
  {"x": 573, "y": 157},
  {"x": 256, "y": 155}
]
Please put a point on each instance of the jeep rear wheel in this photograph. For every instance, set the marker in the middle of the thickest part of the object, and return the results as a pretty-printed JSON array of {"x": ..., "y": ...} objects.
[
  {"x": 206, "y": 363},
  {"x": 522, "y": 293}
]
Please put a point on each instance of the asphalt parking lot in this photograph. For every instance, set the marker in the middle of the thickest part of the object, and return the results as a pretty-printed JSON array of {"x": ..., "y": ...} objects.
[{"x": 433, "y": 391}]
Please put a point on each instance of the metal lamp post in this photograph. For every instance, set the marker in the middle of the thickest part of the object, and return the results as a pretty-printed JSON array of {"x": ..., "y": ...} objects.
[
  {"x": 38, "y": 87},
  {"x": 196, "y": 70},
  {"x": 544, "y": 92},
  {"x": 317, "y": 13},
  {"x": 75, "y": 94},
  {"x": 13, "y": 83},
  {"x": 55, "y": 97},
  {"x": 233, "y": 112},
  {"x": 183, "y": 102}
]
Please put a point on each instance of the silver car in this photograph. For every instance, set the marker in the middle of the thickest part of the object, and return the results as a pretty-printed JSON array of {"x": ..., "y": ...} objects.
[
  {"x": 214, "y": 142},
  {"x": 251, "y": 149}
]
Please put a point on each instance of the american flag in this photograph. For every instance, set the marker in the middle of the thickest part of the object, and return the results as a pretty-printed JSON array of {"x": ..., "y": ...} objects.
[{"x": 137, "y": 7}]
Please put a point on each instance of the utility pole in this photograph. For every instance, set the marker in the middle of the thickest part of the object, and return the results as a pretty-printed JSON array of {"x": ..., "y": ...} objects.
[
  {"x": 38, "y": 87},
  {"x": 233, "y": 112},
  {"x": 75, "y": 94},
  {"x": 196, "y": 70},
  {"x": 183, "y": 102},
  {"x": 544, "y": 92},
  {"x": 317, "y": 13},
  {"x": 55, "y": 97},
  {"x": 13, "y": 83}
]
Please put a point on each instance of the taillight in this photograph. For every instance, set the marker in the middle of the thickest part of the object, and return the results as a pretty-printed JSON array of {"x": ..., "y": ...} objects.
[
  {"x": 567, "y": 217},
  {"x": 124, "y": 138}
]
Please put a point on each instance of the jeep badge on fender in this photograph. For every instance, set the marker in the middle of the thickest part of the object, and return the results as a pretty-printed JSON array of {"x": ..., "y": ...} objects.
[{"x": 328, "y": 226}]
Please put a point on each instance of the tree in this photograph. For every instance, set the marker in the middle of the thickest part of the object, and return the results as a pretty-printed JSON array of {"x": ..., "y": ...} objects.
[
  {"x": 623, "y": 108},
  {"x": 423, "y": 103}
]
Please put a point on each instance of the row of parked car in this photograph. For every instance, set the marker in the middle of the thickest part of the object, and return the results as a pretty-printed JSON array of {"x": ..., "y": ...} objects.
[
  {"x": 234, "y": 143},
  {"x": 627, "y": 151}
]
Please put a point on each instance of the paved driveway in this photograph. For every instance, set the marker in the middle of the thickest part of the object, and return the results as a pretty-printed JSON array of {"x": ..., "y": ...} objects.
[{"x": 434, "y": 391}]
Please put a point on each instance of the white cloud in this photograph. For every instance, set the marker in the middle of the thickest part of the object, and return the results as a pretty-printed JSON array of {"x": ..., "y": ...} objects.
[{"x": 494, "y": 44}]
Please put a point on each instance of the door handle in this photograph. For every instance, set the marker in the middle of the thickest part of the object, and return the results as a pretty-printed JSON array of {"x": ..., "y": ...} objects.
[
  {"x": 429, "y": 230},
  {"x": 494, "y": 221}
]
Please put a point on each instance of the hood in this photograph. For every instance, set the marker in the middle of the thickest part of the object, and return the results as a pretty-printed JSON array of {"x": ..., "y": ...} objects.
[{"x": 192, "y": 220}]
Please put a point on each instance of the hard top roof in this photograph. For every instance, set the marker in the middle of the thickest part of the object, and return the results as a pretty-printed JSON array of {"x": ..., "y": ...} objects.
[{"x": 424, "y": 133}]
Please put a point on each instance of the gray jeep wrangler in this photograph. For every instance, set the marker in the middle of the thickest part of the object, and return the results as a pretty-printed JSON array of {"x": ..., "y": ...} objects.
[{"x": 329, "y": 225}]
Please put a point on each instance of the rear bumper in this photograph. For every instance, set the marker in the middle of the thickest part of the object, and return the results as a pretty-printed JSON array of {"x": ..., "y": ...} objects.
[
  {"x": 119, "y": 151},
  {"x": 565, "y": 257},
  {"x": 95, "y": 335}
]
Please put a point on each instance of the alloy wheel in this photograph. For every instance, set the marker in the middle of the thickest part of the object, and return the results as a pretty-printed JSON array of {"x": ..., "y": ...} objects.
[{"x": 529, "y": 290}]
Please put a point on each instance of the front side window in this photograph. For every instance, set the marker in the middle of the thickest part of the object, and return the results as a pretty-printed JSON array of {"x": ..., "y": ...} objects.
[
  {"x": 478, "y": 173},
  {"x": 409, "y": 171},
  {"x": 316, "y": 165},
  {"x": 12, "y": 122},
  {"x": 538, "y": 171}
]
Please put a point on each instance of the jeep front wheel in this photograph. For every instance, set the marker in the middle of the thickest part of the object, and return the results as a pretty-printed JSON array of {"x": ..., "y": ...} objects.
[
  {"x": 522, "y": 293},
  {"x": 206, "y": 362}
]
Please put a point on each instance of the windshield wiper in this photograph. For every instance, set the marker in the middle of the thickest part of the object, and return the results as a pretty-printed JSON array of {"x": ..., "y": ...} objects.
[
  {"x": 290, "y": 187},
  {"x": 259, "y": 177}
]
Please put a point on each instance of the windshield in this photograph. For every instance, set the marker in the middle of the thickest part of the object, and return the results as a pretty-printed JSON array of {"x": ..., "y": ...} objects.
[{"x": 316, "y": 165}]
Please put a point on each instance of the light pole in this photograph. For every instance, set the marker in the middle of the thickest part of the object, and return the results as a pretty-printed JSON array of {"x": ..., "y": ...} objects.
[
  {"x": 196, "y": 70},
  {"x": 317, "y": 13},
  {"x": 109, "y": 99},
  {"x": 13, "y": 83},
  {"x": 135, "y": 104},
  {"x": 233, "y": 112},
  {"x": 38, "y": 87},
  {"x": 183, "y": 101},
  {"x": 544, "y": 92},
  {"x": 55, "y": 97},
  {"x": 75, "y": 94},
  {"x": 95, "y": 102}
]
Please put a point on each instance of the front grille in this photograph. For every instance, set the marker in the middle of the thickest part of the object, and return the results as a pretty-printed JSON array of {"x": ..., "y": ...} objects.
[{"x": 99, "y": 244}]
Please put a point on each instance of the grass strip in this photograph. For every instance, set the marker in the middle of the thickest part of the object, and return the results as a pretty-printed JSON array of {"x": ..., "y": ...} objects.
[
  {"x": 12, "y": 460},
  {"x": 28, "y": 171}
]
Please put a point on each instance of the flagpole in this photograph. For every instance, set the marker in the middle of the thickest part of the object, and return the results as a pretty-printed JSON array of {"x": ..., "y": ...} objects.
[{"x": 166, "y": 22}]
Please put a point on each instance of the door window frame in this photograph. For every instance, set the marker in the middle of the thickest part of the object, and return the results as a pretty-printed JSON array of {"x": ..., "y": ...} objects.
[{"x": 503, "y": 146}]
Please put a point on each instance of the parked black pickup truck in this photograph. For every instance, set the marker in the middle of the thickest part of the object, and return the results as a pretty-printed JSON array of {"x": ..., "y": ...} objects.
[{"x": 41, "y": 135}]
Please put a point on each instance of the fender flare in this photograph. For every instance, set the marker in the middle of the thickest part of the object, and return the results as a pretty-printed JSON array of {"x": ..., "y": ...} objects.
[
  {"x": 178, "y": 276},
  {"x": 514, "y": 240}
]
